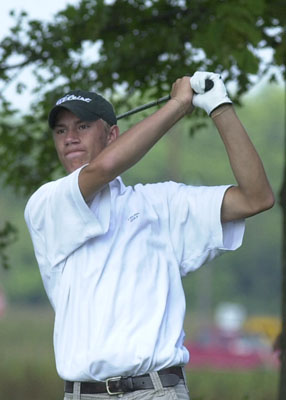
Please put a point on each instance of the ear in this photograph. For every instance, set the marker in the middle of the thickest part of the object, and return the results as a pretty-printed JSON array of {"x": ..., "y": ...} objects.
[{"x": 113, "y": 134}]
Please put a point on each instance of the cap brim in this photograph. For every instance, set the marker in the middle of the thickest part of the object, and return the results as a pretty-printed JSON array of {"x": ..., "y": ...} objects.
[{"x": 76, "y": 108}]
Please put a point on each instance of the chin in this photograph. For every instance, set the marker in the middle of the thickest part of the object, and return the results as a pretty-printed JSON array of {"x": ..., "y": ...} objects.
[{"x": 73, "y": 167}]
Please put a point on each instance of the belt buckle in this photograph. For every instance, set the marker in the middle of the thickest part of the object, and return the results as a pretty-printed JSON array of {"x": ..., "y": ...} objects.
[{"x": 113, "y": 379}]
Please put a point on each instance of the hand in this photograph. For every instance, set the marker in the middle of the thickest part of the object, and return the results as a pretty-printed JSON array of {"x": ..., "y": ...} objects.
[
  {"x": 182, "y": 92},
  {"x": 213, "y": 98}
]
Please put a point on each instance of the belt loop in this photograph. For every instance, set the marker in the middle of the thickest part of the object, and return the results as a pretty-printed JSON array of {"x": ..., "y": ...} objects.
[
  {"x": 185, "y": 379},
  {"x": 184, "y": 374},
  {"x": 157, "y": 383},
  {"x": 76, "y": 391}
]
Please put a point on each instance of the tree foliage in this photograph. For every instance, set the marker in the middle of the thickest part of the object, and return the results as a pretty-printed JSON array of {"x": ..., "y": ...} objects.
[
  {"x": 126, "y": 45},
  {"x": 7, "y": 236}
]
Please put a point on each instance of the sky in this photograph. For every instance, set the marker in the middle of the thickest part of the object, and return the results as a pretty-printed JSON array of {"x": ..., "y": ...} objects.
[
  {"x": 43, "y": 10},
  {"x": 35, "y": 9}
]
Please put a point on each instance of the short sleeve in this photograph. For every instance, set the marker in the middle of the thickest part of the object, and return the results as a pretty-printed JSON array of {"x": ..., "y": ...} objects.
[
  {"x": 60, "y": 221},
  {"x": 196, "y": 231}
]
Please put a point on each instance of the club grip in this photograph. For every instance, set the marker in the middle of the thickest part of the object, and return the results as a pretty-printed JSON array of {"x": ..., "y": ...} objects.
[{"x": 208, "y": 85}]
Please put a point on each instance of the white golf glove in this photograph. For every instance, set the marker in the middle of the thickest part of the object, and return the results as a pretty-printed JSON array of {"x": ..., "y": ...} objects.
[{"x": 211, "y": 99}]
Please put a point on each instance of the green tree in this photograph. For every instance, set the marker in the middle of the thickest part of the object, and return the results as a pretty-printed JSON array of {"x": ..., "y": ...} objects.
[
  {"x": 7, "y": 236},
  {"x": 141, "y": 46},
  {"x": 136, "y": 46}
]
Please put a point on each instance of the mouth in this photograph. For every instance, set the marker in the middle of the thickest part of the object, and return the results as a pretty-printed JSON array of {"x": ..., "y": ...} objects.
[{"x": 74, "y": 154}]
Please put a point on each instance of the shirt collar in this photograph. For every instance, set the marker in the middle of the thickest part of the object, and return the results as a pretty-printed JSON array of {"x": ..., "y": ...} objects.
[{"x": 117, "y": 184}]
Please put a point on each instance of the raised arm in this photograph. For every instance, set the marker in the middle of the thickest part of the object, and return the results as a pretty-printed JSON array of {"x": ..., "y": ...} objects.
[
  {"x": 125, "y": 150},
  {"x": 253, "y": 193}
]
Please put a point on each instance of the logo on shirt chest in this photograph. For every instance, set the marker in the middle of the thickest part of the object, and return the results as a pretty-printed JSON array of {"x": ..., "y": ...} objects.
[{"x": 133, "y": 217}]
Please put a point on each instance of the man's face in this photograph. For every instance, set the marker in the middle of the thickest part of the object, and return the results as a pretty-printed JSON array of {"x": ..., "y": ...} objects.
[{"x": 78, "y": 142}]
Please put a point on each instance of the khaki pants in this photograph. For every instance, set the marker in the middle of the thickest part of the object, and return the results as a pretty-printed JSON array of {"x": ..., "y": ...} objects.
[{"x": 178, "y": 392}]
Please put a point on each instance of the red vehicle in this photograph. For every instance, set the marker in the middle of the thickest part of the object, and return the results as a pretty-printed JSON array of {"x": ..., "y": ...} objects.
[{"x": 218, "y": 349}]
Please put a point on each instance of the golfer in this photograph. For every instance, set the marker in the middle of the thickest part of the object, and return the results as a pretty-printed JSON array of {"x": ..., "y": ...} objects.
[{"x": 112, "y": 257}]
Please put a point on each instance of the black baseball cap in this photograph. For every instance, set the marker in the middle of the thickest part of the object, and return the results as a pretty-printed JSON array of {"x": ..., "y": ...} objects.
[{"x": 88, "y": 106}]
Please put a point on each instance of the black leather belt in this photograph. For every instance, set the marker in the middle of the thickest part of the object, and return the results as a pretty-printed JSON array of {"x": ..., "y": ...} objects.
[{"x": 118, "y": 385}]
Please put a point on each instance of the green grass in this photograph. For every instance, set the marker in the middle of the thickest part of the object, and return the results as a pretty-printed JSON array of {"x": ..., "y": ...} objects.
[
  {"x": 27, "y": 367},
  {"x": 232, "y": 385}
]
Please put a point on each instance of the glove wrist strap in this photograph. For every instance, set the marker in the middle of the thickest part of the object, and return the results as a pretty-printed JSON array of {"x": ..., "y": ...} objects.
[{"x": 220, "y": 110}]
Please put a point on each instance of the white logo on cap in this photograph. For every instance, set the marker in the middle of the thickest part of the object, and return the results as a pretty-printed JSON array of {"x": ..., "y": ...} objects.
[{"x": 71, "y": 97}]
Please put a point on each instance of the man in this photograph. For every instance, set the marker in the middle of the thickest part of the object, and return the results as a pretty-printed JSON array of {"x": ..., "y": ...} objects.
[{"x": 112, "y": 257}]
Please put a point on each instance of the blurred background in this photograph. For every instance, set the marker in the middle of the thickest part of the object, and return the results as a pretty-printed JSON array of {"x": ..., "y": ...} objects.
[{"x": 233, "y": 304}]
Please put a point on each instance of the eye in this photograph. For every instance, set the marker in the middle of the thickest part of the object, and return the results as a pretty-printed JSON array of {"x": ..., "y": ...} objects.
[
  {"x": 59, "y": 131},
  {"x": 83, "y": 126}
]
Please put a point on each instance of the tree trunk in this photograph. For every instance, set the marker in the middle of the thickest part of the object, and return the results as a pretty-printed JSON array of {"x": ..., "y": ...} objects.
[{"x": 282, "y": 200}]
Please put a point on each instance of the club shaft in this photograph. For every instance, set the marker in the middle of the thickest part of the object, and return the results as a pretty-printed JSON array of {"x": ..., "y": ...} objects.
[
  {"x": 208, "y": 85},
  {"x": 144, "y": 107}
]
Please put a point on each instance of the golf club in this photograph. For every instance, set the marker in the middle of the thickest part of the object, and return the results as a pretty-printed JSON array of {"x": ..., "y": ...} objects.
[{"x": 208, "y": 85}]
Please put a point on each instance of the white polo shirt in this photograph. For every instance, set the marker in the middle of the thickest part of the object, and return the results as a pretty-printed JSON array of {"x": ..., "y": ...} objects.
[{"x": 112, "y": 270}]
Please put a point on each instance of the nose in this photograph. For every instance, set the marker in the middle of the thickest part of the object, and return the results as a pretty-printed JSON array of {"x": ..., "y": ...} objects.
[{"x": 71, "y": 136}]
